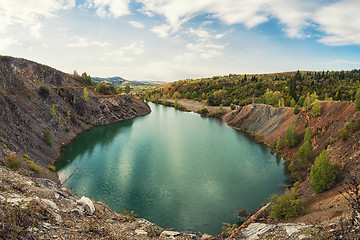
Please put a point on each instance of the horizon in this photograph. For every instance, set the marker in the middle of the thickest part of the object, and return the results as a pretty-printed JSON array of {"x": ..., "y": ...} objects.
[{"x": 152, "y": 40}]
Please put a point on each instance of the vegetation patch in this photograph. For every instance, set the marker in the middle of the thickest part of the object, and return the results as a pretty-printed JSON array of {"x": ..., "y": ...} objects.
[
  {"x": 35, "y": 168},
  {"x": 12, "y": 162},
  {"x": 288, "y": 205},
  {"x": 48, "y": 138}
]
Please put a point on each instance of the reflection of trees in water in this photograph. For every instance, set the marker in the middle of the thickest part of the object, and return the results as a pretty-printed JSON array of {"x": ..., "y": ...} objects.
[{"x": 86, "y": 142}]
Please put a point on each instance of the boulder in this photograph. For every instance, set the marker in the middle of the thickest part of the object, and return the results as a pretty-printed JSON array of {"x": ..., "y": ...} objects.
[{"x": 87, "y": 204}]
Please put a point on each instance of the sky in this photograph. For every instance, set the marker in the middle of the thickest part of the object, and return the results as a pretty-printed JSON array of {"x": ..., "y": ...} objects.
[{"x": 168, "y": 40}]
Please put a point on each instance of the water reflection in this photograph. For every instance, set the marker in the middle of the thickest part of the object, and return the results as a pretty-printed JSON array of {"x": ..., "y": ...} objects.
[{"x": 175, "y": 169}]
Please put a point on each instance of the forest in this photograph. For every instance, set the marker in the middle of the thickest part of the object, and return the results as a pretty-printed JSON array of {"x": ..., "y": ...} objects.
[{"x": 278, "y": 89}]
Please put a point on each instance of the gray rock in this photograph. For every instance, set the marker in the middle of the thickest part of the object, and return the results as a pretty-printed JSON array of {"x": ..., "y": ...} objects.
[
  {"x": 253, "y": 231},
  {"x": 140, "y": 232},
  {"x": 206, "y": 236},
  {"x": 304, "y": 237},
  {"x": 292, "y": 228},
  {"x": 87, "y": 204},
  {"x": 169, "y": 234},
  {"x": 50, "y": 204}
]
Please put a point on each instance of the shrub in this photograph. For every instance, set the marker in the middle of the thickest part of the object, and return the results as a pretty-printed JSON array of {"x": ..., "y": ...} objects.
[
  {"x": 344, "y": 133},
  {"x": 67, "y": 128},
  {"x": 296, "y": 109},
  {"x": 48, "y": 138},
  {"x": 305, "y": 153},
  {"x": 322, "y": 173},
  {"x": 279, "y": 144},
  {"x": 44, "y": 91},
  {"x": 26, "y": 156},
  {"x": 316, "y": 111},
  {"x": 308, "y": 135},
  {"x": 227, "y": 229},
  {"x": 286, "y": 206},
  {"x": 51, "y": 167},
  {"x": 203, "y": 111},
  {"x": 291, "y": 137},
  {"x": 4, "y": 146},
  {"x": 86, "y": 94},
  {"x": 12, "y": 162},
  {"x": 34, "y": 167}
]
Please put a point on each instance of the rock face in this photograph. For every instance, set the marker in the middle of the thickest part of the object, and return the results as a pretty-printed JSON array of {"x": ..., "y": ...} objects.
[
  {"x": 26, "y": 116},
  {"x": 31, "y": 208}
]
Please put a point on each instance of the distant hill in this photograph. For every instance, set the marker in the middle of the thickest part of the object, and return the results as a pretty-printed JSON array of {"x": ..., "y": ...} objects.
[{"x": 119, "y": 81}]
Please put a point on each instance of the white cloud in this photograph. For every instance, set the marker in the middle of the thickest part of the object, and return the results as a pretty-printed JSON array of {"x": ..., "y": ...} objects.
[
  {"x": 30, "y": 14},
  {"x": 6, "y": 43},
  {"x": 200, "y": 50},
  {"x": 126, "y": 54},
  {"x": 340, "y": 21},
  {"x": 86, "y": 42},
  {"x": 136, "y": 24},
  {"x": 109, "y": 8}
]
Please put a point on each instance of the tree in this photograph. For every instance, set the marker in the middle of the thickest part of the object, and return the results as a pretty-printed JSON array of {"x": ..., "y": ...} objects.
[
  {"x": 86, "y": 94},
  {"x": 316, "y": 111},
  {"x": 194, "y": 95},
  {"x": 357, "y": 99},
  {"x": 279, "y": 144},
  {"x": 187, "y": 95},
  {"x": 322, "y": 173},
  {"x": 292, "y": 103},
  {"x": 176, "y": 95},
  {"x": 287, "y": 206},
  {"x": 308, "y": 135},
  {"x": 305, "y": 153},
  {"x": 296, "y": 109},
  {"x": 291, "y": 137},
  {"x": 127, "y": 89},
  {"x": 307, "y": 102}
]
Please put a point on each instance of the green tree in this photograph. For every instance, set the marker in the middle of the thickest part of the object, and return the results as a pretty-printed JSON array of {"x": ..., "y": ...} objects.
[
  {"x": 357, "y": 99},
  {"x": 119, "y": 90},
  {"x": 127, "y": 89},
  {"x": 86, "y": 94},
  {"x": 296, "y": 109},
  {"x": 316, "y": 109},
  {"x": 291, "y": 137},
  {"x": 187, "y": 95},
  {"x": 279, "y": 144},
  {"x": 307, "y": 102},
  {"x": 305, "y": 153},
  {"x": 287, "y": 206},
  {"x": 194, "y": 95},
  {"x": 292, "y": 103},
  {"x": 308, "y": 135},
  {"x": 322, "y": 173}
]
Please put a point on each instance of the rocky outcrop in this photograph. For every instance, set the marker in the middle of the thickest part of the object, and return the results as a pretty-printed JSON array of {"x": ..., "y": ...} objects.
[
  {"x": 37, "y": 124},
  {"x": 34, "y": 208}
]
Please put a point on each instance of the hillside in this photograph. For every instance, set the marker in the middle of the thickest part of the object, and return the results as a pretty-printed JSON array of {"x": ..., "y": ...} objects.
[
  {"x": 268, "y": 123},
  {"x": 42, "y": 109},
  {"x": 277, "y": 89},
  {"x": 119, "y": 81}
]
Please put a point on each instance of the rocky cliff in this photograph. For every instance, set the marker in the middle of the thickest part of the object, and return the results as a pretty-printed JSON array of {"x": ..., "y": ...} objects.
[
  {"x": 268, "y": 123},
  {"x": 42, "y": 109}
]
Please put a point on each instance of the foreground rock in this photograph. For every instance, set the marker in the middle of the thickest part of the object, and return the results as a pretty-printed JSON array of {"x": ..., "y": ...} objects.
[{"x": 33, "y": 208}]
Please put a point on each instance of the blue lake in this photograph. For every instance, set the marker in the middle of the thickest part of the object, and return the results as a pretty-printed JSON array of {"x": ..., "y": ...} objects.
[{"x": 175, "y": 169}]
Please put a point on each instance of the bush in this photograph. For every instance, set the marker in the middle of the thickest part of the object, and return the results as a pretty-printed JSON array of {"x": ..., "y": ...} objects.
[
  {"x": 12, "y": 162},
  {"x": 286, "y": 206},
  {"x": 48, "y": 138},
  {"x": 296, "y": 109},
  {"x": 44, "y": 91},
  {"x": 305, "y": 153},
  {"x": 291, "y": 137},
  {"x": 279, "y": 144},
  {"x": 316, "y": 111},
  {"x": 34, "y": 167},
  {"x": 322, "y": 173},
  {"x": 344, "y": 134},
  {"x": 203, "y": 111},
  {"x": 51, "y": 168},
  {"x": 67, "y": 128}
]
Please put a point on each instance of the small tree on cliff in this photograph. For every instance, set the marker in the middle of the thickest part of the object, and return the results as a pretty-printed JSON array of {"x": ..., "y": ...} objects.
[
  {"x": 316, "y": 111},
  {"x": 291, "y": 137},
  {"x": 322, "y": 173},
  {"x": 305, "y": 153},
  {"x": 279, "y": 144},
  {"x": 357, "y": 99}
]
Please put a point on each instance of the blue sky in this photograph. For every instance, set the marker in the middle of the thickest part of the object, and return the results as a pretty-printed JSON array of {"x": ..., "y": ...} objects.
[{"x": 170, "y": 40}]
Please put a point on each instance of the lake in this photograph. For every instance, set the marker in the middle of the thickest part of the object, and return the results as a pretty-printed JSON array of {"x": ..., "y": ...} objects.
[{"x": 176, "y": 169}]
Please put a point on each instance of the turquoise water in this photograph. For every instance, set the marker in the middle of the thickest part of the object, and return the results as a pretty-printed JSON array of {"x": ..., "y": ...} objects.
[{"x": 173, "y": 168}]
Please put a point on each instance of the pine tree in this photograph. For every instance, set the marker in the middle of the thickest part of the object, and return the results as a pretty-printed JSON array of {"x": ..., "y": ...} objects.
[
  {"x": 305, "y": 153},
  {"x": 316, "y": 110},
  {"x": 291, "y": 137}
]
